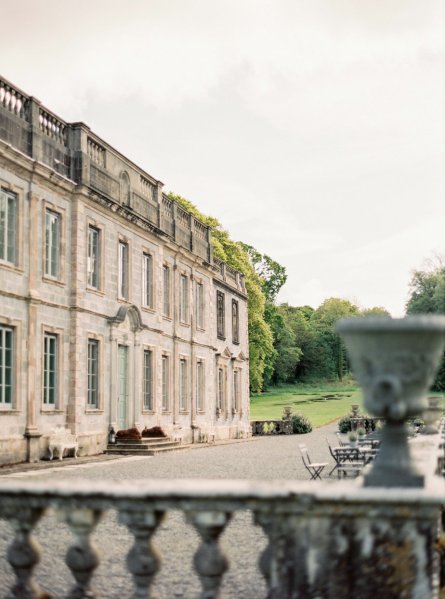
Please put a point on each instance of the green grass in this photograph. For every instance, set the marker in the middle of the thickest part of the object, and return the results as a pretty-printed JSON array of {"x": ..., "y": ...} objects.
[{"x": 308, "y": 400}]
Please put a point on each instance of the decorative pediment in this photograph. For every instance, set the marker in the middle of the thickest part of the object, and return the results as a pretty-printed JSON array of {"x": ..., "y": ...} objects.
[
  {"x": 241, "y": 357},
  {"x": 134, "y": 317},
  {"x": 226, "y": 353}
]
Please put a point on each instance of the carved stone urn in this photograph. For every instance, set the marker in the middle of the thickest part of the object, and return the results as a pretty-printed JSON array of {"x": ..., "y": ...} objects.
[{"x": 395, "y": 361}]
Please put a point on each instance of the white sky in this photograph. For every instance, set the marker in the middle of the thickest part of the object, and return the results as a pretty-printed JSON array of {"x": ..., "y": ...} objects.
[{"x": 313, "y": 129}]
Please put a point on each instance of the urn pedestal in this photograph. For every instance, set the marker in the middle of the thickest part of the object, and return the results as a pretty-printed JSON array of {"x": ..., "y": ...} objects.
[{"x": 394, "y": 361}]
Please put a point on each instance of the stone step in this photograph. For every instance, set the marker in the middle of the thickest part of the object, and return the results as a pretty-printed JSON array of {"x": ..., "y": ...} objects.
[
  {"x": 145, "y": 441},
  {"x": 129, "y": 446},
  {"x": 113, "y": 450}
]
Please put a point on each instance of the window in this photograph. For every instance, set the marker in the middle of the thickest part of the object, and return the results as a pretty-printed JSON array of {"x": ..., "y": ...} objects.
[
  {"x": 235, "y": 321},
  {"x": 148, "y": 379},
  {"x": 50, "y": 350},
  {"x": 200, "y": 386},
  {"x": 93, "y": 258},
  {"x": 183, "y": 385},
  {"x": 147, "y": 280},
  {"x": 93, "y": 373},
  {"x": 183, "y": 298},
  {"x": 123, "y": 270},
  {"x": 200, "y": 305},
  {"x": 220, "y": 315},
  {"x": 165, "y": 383},
  {"x": 166, "y": 290},
  {"x": 8, "y": 226},
  {"x": 220, "y": 390},
  {"x": 52, "y": 244},
  {"x": 236, "y": 390},
  {"x": 6, "y": 366}
]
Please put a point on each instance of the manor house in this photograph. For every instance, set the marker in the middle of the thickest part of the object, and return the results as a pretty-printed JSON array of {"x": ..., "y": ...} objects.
[{"x": 113, "y": 311}]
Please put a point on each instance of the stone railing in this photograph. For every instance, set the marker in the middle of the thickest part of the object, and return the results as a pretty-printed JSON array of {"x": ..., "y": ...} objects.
[
  {"x": 271, "y": 427},
  {"x": 338, "y": 540}
]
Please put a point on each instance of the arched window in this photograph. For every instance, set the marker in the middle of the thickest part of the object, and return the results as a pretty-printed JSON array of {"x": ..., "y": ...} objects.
[{"x": 125, "y": 187}]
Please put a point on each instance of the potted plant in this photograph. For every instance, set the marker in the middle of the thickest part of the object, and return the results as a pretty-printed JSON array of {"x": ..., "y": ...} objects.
[
  {"x": 361, "y": 433},
  {"x": 352, "y": 439}
]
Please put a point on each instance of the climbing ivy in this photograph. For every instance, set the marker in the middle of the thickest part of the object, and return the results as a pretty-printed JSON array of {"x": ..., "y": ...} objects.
[{"x": 236, "y": 255}]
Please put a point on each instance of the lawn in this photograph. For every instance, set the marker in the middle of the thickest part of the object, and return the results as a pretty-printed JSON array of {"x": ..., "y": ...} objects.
[{"x": 320, "y": 403}]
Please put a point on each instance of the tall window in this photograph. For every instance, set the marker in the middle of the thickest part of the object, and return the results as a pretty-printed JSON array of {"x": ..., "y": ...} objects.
[
  {"x": 50, "y": 369},
  {"x": 235, "y": 321},
  {"x": 200, "y": 305},
  {"x": 166, "y": 291},
  {"x": 236, "y": 389},
  {"x": 183, "y": 298},
  {"x": 183, "y": 385},
  {"x": 123, "y": 270},
  {"x": 200, "y": 386},
  {"x": 93, "y": 258},
  {"x": 52, "y": 244},
  {"x": 8, "y": 226},
  {"x": 148, "y": 379},
  {"x": 93, "y": 373},
  {"x": 220, "y": 315},
  {"x": 147, "y": 280},
  {"x": 165, "y": 383},
  {"x": 6, "y": 366},
  {"x": 220, "y": 390}
]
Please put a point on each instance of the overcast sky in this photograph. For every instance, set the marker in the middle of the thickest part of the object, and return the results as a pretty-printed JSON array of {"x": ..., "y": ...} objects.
[{"x": 313, "y": 129}]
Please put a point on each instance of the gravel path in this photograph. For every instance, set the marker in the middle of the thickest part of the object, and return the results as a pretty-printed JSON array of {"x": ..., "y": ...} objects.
[{"x": 265, "y": 458}]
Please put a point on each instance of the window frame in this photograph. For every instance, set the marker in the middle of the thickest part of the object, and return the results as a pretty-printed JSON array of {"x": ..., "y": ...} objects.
[
  {"x": 184, "y": 307},
  {"x": 166, "y": 291},
  {"x": 165, "y": 383},
  {"x": 123, "y": 291},
  {"x": 183, "y": 386},
  {"x": 236, "y": 390},
  {"x": 50, "y": 336},
  {"x": 8, "y": 405},
  {"x": 235, "y": 321},
  {"x": 220, "y": 314},
  {"x": 97, "y": 269},
  {"x": 148, "y": 383},
  {"x": 148, "y": 294},
  {"x": 57, "y": 244},
  {"x": 200, "y": 385},
  {"x": 200, "y": 304},
  {"x": 6, "y": 195},
  {"x": 93, "y": 405}
]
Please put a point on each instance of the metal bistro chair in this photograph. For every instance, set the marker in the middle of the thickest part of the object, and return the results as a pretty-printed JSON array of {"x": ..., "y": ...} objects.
[
  {"x": 347, "y": 460},
  {"x": 314, "y": 468}
]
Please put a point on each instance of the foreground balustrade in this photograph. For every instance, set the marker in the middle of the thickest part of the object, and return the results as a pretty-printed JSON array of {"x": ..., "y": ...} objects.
[{"x": 338, "y": 540}]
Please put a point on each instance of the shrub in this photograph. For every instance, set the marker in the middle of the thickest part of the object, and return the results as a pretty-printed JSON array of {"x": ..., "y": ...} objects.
[
  {"x": 352, "y": 437},
  {"x": 300, "y": 424},
  {"x": 344, "y": 424},
  {"x": 361, "y": 432}
]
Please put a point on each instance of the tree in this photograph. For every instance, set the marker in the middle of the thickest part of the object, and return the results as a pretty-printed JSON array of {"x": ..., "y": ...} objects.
[
  {"x": 329, "y": 342},
  {"x": 427, "y": 296},
  {"x": 261, "y": 349},
  {"x": 375, "y": 311},
  {"x": 272, "y": 274}
]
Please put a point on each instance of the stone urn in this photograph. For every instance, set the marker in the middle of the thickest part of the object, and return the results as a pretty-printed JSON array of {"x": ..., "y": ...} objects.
[
  {"x": 355, "y": 407},
  {"x": 394, "y": 361},
  {"x": 431, "y": 416},
  {"x": 287, "y": 412}
]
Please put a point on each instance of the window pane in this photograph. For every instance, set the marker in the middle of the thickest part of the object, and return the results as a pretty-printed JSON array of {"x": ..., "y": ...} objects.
[
  {"x": 93, "y": 373},
  {"x": 93, "y": 257},
  {"x": 165, "y": 383},
  {"x": 52, "y": 242},
  {"x": 148, "y": 384},
  {"x": 6, "y": 365},
  {"x": 50, "y": 369},
  {"x": 166, "y": 302},
  {"x": 148, "y": 280},
  {"x": 8, "y": 226},
  {"x": 220, "y": 317},
  {"x": 123, "y": 270}
]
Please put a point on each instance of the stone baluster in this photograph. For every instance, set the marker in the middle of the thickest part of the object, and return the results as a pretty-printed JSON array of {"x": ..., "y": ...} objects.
[
  {"x": 210, "y": 562},
  {"x": 82, "y": 557},
  {"x": 265, "y": 561},
  {"x": 24, "y": 552},
  {"x": 143, "y": 560}
]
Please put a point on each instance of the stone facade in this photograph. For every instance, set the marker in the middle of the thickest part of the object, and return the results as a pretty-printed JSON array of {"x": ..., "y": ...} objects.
[{"x": 113, "y": 312}]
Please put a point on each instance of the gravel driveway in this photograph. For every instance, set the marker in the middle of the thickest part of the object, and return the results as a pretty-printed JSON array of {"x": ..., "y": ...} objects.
[{"x": 265, "y": 458}]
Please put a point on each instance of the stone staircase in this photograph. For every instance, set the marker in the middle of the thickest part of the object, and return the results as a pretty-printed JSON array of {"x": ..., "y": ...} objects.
[{"x": 144, "y": 446}]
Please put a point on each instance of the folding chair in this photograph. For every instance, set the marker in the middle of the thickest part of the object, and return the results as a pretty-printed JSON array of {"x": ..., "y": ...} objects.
[{"x": 315, "y": 469}]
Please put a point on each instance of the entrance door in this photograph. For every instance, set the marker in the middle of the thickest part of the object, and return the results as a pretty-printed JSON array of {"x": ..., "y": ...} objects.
[{"x": 122, "y": 400}]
